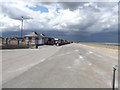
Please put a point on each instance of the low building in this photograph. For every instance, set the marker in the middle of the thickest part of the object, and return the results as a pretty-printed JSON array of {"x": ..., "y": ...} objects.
[
  {"x": 49, "y": 41},
  {"x": 34, "y": 38},
  {"x": 1, "y": 40}
]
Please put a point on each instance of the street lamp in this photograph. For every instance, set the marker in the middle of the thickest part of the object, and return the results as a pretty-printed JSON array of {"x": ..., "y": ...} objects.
[{"x": 22, "y": 27}]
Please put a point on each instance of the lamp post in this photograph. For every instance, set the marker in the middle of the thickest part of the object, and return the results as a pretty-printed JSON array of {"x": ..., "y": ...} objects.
[{"x": 22, "y": 27}]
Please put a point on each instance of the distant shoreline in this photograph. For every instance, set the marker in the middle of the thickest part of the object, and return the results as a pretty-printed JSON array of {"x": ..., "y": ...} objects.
[
  {"x": 102, "y": 42},
  {"x": 108, "y": 47}
]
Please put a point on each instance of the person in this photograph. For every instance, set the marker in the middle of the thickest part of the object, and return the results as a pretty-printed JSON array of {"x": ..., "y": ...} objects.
[
  {"x": 28, "y": 43},
  {"x": 36, "y": 45},
  {"x": 6, "y": 40},
  {"x": 18, "y": 41}
]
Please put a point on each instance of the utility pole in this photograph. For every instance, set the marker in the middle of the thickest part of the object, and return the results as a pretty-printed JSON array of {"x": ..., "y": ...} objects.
[{"x": 22, "y": 27}]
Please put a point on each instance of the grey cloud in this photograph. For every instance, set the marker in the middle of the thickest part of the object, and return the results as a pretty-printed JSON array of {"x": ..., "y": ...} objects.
[
  {"x": 91, "y": 18},
  {"x": 71, "y": 5},
  {"x": 106, "y": 4},
  {"x": 75, "y": 5},
  {"x": 13, "y": 12},
  {"x": 91, "y": 5}
]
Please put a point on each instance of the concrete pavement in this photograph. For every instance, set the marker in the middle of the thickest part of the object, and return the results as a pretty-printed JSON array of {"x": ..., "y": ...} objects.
[{"x": 68, "y": 66}]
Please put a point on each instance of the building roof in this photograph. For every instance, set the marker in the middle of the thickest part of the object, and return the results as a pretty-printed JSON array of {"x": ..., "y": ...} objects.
[{"x": 34, "y": 34}]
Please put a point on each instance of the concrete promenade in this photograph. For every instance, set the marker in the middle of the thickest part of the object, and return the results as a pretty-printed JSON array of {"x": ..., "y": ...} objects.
[{"x": 68, "y": 66}]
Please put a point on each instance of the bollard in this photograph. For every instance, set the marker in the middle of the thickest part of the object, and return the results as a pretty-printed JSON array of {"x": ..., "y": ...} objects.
[{"x": 114, "y": 69}]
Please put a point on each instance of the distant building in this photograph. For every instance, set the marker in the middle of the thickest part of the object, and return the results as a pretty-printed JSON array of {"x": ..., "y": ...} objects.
[
  {"x": 34, "y": 38},
  {"x": 1, "y": 40},
  {"x": 49, "y": 41},
  {"x": 41, "y": 39}
]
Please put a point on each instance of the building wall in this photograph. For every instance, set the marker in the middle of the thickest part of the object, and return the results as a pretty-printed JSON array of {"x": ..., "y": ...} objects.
[
  {"x": 40, "y": 41},
  {"x": 34, "y": 40}
]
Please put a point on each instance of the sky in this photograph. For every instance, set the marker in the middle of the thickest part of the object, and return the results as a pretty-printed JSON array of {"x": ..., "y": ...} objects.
[{"x": 77, "y": 21}]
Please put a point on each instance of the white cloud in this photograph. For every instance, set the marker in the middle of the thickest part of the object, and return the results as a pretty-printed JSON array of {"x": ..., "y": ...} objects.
[{"x": 90, "y": 17}]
